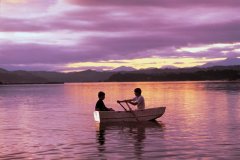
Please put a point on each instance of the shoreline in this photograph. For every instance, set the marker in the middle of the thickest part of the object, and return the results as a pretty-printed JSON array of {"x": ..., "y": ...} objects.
[{"x": 7, "y": 84}]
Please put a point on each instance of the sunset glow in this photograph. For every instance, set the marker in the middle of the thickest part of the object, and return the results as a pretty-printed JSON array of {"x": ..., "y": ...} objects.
[
  {"x": 14, "y": 1},
  {"x": 203, "y": 48},
  {"x": 72, "y": 35},
  {"x": 139, "y": 63}
]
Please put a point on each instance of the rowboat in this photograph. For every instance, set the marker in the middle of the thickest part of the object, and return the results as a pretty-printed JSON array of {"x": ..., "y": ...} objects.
[{"x": 129, "y": 115}]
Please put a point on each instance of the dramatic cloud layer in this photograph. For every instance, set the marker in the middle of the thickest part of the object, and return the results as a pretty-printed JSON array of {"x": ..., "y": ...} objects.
[
  {"x": 156, "y": 3},
  {"x": 81, "y": 34}
]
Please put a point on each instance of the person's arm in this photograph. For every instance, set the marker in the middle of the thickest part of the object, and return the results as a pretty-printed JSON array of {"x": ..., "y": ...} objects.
[
  {"x": 136, "y": 101},
  {"x": 100, "y": 106},
  {"x": 133, "y": 103},
  {"x": 126, "y": 100},
  {"x": 104, "y": 108},
  {"x": 130, "y": 101}
]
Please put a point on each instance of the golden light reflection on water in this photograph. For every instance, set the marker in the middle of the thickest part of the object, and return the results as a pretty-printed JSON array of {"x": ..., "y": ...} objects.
[
  {"x": 57, "y": 121},
  {"x": 189, "y": 101}
]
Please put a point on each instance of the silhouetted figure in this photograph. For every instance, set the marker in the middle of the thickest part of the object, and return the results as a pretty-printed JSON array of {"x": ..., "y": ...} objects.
[
  {"x": 138, "y": 100},
  {"x": 100, "y": 106}
]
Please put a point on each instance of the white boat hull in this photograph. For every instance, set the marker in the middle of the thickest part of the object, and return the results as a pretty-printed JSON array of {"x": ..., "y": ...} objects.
[{"x": 129, "y": 116}]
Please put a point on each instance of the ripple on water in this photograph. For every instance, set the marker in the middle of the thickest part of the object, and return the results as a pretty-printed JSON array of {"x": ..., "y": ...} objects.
[{"x": 56, "y": 122}]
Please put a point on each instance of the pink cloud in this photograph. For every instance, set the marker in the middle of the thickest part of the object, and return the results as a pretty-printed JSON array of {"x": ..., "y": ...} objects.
[
  {"x": 114, "y": 30},
  {"x": 156, "y": 3}
]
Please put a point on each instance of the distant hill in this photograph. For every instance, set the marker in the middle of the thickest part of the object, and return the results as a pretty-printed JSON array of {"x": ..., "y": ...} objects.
[
  {"x": 3, "y": 70},
  {"x": 51, "y": 76},
  {"x": 226, "y": 62},
  {"x": 185, "y": 74},
  {"x": 150, "y": 74},
  {"x": 87, "y": 76},
  {"x": 124, "y": 68},
  {"x": 83, "y": 76},
  {"x": 22, "y": 77},
  {"x": 19, "y": 77},
  {"x": 169, "y": 67}
]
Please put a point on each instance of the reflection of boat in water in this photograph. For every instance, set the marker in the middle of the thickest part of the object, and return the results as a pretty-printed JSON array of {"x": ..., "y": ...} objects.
[
  {"x": 129, "y": 116},
  {"x": 129, "y": 125},
  {"x": 133, "y": 135}
]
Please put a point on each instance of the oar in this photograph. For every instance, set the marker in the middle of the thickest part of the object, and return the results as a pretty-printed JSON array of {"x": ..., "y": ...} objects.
[
  {"x": 132, "y": 112},
  {"x": 122, "y": 106}
]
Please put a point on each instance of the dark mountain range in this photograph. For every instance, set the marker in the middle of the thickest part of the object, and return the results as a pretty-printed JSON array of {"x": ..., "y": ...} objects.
[
  {"x": 124, "y": 68},
  {"x": 169, "y": 67},
  {"x": 226, "y": 62},
  {"x": 154, "y": 74},
  {"x": 32, "y": 77},
  {"x": 185, "y": 74},
  {"x": 2, "y": 70},
  {"x": 50, "y": 76},
  {"x": 87, "y": 76},
  {"x": 17, "y": 77}
]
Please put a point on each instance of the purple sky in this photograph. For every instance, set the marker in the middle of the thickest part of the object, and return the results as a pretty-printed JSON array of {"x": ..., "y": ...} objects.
[{"x": 71, "y": 35}]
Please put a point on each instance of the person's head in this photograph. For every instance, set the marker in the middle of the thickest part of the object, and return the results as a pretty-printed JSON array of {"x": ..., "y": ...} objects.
[
  {"x": 137, "y": 92},
  {"x": 101, "y": 95}
]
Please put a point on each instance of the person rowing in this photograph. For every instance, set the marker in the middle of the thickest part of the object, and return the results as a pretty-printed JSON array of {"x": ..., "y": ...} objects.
[{"x": 138, "y": 100}]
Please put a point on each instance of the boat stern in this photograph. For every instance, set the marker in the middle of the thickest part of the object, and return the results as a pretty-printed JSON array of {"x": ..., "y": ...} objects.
[{"x": 96, "y": 116}]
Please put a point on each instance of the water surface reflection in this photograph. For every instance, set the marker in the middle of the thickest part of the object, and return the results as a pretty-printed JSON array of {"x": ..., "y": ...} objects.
[
  {"x": 131, "y": 134},
  {"x": 56, "y": 122}
]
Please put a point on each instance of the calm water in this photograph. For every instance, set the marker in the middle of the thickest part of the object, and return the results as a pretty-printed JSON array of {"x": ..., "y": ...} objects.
[{"x": 202, "y": 121}]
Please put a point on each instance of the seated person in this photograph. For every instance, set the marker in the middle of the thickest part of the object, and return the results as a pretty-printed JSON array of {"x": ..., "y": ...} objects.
[
  {"x": 138, "y": 100},
  {"x": 100, "y": 106}
]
